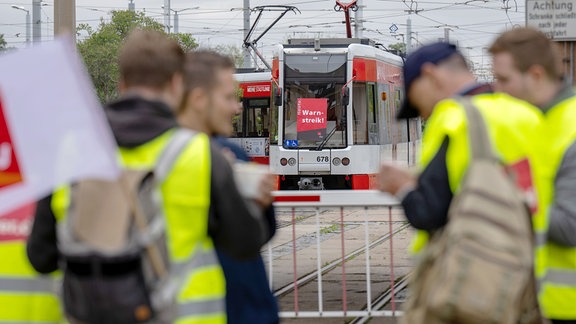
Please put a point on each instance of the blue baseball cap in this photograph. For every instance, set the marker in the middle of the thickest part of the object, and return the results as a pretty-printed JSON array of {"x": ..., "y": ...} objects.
[{"x": 431, "y": 53}]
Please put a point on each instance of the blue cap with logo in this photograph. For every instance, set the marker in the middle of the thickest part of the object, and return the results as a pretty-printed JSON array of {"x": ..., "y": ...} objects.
[{"x": 431, "y": 53}]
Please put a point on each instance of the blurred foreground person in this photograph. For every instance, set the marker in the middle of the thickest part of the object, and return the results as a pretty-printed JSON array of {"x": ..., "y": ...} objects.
[
  {"x": 432, "y": 73},
  {"x": 143, "y": 121},
  {"x": 25, "y": 296},
  {"x": 527, "y": 65},
  {"x": 505, "y": 127},
  {"x": 209, "y": 106}
]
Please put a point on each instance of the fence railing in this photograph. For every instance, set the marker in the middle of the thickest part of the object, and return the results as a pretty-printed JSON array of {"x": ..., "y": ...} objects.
[{"x": 338, "y": 254}]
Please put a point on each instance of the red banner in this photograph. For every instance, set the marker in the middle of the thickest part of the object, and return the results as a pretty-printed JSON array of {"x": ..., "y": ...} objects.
[
  {"x": 311, "y": 114},
  {"x": 522, "y": 174},
  {"x": 16, "y": 225},
  {"x": 9, "y": 169},
  {"x": 255, "y": 89}
]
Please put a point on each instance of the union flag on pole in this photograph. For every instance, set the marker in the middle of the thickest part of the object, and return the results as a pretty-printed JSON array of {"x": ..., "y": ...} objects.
[{"x": 53, "y": 131}]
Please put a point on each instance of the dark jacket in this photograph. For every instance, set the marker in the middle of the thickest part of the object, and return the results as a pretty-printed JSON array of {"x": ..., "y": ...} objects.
[
  {"x": 136, "y": 121},
  {"x": 248, "y": 296},
  {"x": 426, "y": 207}
]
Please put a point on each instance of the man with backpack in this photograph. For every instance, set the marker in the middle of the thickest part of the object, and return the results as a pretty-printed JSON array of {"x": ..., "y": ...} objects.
[
  {"x": 209, "y": 106},
  {"x": 527, "y": 66},
  {"x": 432, "y": 75},
  {"x": 194, "y": 193}
]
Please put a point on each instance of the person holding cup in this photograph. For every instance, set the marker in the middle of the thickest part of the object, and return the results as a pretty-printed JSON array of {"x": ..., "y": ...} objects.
[{"x": 209, "y": 105}]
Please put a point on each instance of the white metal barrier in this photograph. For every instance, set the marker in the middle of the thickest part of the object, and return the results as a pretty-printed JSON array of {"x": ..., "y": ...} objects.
[{"x": 366, "y": 221}]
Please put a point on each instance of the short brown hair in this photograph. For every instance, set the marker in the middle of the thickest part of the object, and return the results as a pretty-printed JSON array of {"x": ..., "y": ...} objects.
[
  {"x": 201, "y": 67},
  {"x": 529, "y": 47},
  {"x": 149, "y": 58}
]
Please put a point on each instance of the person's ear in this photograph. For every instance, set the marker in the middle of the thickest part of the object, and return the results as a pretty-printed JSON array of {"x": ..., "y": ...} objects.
[
  {"x": 429, "y": 71},
  {"x": 537, "y": 73},
  {"x": 198, "y": 99}
]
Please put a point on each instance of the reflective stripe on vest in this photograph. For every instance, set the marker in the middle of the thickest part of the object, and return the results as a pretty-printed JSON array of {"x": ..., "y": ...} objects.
[
  {"x": 510, "y": 129},
  {"x": 201, "y": 307},
  {"x": 561, "y": 277},
  {"x": 558, "y": 281},
  {"x": 27, "y": 285}
]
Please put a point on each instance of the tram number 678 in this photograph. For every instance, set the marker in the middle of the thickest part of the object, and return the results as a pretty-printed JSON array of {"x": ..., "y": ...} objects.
[{"x": 323, "y": 159}]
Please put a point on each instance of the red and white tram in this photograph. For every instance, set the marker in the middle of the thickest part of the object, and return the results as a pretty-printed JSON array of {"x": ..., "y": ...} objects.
[{"x": 336, "y": 105}]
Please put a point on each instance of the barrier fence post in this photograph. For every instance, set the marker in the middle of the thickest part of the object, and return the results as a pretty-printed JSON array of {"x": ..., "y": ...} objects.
[
  {"x": 344, "y": 301},
  {"x": 392, "y": 279},
  {"x": 294, "y": 260},
  {"x": 368, "y": 279},
  {"x": 319, "y": 262}
]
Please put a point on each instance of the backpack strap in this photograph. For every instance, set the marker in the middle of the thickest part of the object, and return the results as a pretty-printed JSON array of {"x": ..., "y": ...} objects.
[
  {"x": 480, "y": 145},
  {"x": 171, "y": 152}
]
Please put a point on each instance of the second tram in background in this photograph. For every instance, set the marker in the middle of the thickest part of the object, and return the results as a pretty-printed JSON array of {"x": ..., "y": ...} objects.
[
  {"x": 335, "y": 102},
  {"x": 252, "y": 126}
]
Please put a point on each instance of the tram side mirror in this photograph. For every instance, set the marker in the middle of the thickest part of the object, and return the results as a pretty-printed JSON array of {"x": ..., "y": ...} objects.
[
  {"x": 345, "y": 96},
  {"x": 278, "y": 98}
]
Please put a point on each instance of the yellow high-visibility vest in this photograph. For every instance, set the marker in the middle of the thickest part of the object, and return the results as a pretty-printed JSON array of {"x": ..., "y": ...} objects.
[
  {"x": 557, "y": 293},
  {"x": 186, "y": 201},
  {"x": 513, "y": 126},
  {"x": 25, "y": 295}
]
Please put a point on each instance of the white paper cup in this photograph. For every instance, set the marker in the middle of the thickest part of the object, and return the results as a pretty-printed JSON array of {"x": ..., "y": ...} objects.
[{"x": 248, "y": 177}]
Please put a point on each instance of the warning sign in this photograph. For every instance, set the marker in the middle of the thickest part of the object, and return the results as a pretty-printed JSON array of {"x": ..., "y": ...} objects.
[
  {"x": 555, "y": 18},
  {"x": 9, "y": 169},
  {"x": 311, "y": 114}
]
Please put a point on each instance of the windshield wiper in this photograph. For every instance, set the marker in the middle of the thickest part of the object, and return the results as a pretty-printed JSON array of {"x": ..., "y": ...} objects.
[{"x": 325, "y": 140}]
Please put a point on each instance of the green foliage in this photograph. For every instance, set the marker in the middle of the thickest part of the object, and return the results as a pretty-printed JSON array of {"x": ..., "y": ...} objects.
[
  {"x": 398, "y": 47},
  {"x": 186, "y": 41},
  {"x": 101, "y": 46}
]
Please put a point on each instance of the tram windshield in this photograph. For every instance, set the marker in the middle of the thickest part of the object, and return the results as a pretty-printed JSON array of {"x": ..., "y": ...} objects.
[{"x": 313, "y": 111}]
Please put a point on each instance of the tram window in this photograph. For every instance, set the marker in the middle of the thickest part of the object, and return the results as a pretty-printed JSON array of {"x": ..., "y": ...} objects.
[
  {"x": 373, "y": 129},
  {"x": 360, "y": 113},
  {"x": 237, "y": 124},
  {"x": 386, "y": 116},
  {"x": 257, "y": 117},
  {"x": 308, "y": 89},
  {"x": 401, "y": 134}
]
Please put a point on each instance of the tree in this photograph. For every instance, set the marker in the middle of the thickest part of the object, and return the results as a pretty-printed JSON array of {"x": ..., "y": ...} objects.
[
  {"x": 233, "y": 51},
  {"x": 100, "y": 49},
  {"x": 186, "y": 41},
  {"x": 399, "y": 48}
]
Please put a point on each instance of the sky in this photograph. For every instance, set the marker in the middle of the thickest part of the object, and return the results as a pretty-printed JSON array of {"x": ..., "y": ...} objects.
[{"x": 472, "y": 24}]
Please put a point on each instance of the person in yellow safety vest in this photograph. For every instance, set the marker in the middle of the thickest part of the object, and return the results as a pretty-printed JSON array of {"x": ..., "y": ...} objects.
[
  {"x": 25, "y": 296},
  {"x": 527, "y": 65},
  {"x": 432, "y": 74},
  {"x": 209, "y": 107},
  {"x": 200, "y": 201},
  {"x": 446, "y": 64}
]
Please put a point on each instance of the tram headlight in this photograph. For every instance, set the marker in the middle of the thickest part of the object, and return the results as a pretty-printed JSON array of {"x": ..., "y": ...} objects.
[
  {"x": 291, "y": 161},
  {"x": 283, "y": 161},
  {"x": 345, "y": 161},
  {"x": 336, "y": 161}
]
